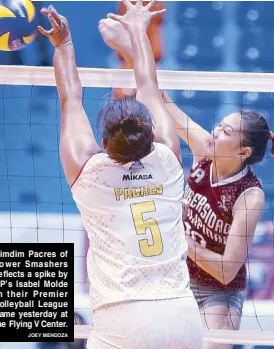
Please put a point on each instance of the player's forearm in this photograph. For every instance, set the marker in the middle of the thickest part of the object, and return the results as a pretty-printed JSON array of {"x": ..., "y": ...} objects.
[
  {"x": 147, "y": 83},
  {"x": 178, "y": 116},
  {"x": 66, "y": 74},
  {"x": 182, "y": 120},
  {"x": 143, "y": 58},
  {"x": 125, "y": 51},
  {"x": 211, "y": 262}
]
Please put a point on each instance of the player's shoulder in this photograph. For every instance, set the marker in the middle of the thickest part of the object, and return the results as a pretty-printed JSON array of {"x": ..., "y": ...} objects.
[
  {"x": 165, "y": 152},
  {"x": 97, "y": 160},
  {"x": 251, "y": 184},
  {"x": 251, "y": 176},
  {"x": 162, "y": 148},
  {"x": 164, "y": 157},
  {"x": 248, "y": 190},
  {"x": 93, "y": 165},
  {"x": 249, "y": 180},
  {"x": 252, "y": 197}
]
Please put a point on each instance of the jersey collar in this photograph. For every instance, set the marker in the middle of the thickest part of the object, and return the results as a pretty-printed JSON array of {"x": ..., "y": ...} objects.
[{"x": 229, "y": 180}]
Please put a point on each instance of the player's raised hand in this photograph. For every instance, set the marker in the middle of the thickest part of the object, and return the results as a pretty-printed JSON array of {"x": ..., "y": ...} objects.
[
  {"x": 114, "y": 34},
  {"x": 59, "y": 34},
  {"x": 136, "y": 15}
]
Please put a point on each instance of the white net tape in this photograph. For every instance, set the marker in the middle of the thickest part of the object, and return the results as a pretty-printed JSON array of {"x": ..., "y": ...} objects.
[
  {"x": 262, "y": 312},
  {"x": 212, "y": 336},
  {"x": 169, "y": 80}
]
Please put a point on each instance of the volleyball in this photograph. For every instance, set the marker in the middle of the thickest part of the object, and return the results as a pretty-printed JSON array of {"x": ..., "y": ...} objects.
[{"x": 18, "y": 24}]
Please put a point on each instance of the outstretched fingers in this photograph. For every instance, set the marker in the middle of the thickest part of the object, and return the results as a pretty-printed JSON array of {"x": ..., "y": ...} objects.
[
  {"x": 54, "y": 19},
  {"x": 150, "y": 4},
  {"x": 53, "y": 22},
  {"x": 44, "y": 31},
  {"x": 55, "y": 15},
  {"x": 139, "y": 3},
  {"x": 44, "y": 11},
  {"x": 114, "y": 17},
  {"x": 156, "y": 13},
  {"x": 128, "y": 4}
]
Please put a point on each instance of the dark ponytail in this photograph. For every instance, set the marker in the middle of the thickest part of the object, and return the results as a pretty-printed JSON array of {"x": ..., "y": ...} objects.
[
  {"x": 127, "y": 130},
  {"x": 256, "y": 134}
]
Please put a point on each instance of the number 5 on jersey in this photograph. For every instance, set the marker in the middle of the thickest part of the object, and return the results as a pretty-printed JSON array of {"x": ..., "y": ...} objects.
[{"x": 142, "y": 225}]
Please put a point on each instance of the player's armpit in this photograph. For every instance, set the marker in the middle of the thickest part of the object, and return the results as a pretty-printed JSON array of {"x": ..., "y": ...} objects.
[
  {"x": 77, "y": 141},
  {"x": 247, "y": 214}
]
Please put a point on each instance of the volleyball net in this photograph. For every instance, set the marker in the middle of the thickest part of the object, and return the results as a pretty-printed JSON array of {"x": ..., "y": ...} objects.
[{"x": 36, "y": 204}]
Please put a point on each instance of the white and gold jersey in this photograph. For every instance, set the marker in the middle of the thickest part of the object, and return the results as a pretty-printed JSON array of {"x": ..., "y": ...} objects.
[{"x": 133, "y": 217}]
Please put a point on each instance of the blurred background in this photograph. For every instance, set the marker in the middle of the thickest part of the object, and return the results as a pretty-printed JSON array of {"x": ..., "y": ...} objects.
[{"x": 35, "y": 201}]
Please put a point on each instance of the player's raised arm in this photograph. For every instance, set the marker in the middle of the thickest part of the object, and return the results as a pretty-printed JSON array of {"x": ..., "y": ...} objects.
[
  {"x": 192, "y": 133},
  {"x": 136, "y": 21},
  {"x": 77, "y": 142},
  {"x": 117, "y": 37}
]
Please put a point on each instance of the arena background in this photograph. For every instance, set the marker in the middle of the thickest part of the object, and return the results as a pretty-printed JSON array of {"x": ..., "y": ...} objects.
[{"x": 211, "y": 36}]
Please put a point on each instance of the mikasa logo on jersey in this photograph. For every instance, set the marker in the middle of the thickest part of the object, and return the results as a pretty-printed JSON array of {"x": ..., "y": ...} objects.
[
  {"x": 136, "y": 177},
  {"x": 137, "y": 165}
]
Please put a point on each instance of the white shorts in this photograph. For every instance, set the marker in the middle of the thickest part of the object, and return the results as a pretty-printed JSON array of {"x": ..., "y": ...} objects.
[{"x": 158, "y": 324}]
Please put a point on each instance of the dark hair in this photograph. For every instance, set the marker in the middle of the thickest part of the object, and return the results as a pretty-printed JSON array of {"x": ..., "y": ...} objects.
[
  {"x": 127, "y": 129},
  {"x": 256, "y": 134}
]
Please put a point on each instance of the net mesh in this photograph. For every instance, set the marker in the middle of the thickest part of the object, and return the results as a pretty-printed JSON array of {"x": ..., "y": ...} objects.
[{"x": 36, "y": 203}]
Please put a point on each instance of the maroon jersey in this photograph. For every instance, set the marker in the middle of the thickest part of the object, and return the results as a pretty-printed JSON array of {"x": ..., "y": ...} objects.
[{"x": 210, "y": 216}]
